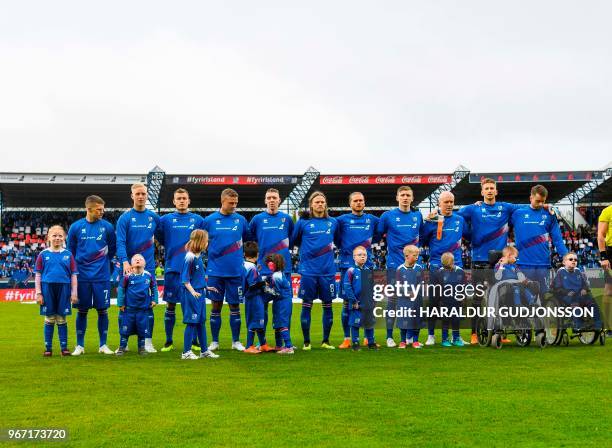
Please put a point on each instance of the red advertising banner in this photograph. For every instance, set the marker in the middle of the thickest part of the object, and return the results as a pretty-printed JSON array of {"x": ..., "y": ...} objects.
[
  {"x": 232, "y": 180},
  {"x": 392, "y": 179}
]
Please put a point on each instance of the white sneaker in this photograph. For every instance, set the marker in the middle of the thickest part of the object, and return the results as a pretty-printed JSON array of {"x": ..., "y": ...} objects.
[
  {"x": 408, "y": 341},
  {"x": 149, "y": 346},
  {"x": 213, "y": 346},
  {"x": 189, "y": 355},
  {"x": 104, "y": 349},
  {"x": 391, "y": 343},
  {"x": 431, "y": 340},
  {"x": 237, "y": 345},
  {"x": 208, "y": 354},
  {"x": 78, "y": 351}
]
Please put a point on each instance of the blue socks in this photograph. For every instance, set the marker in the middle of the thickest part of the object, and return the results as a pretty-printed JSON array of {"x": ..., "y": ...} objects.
[
  {"x": 369, "y": 334},
  {"x": 261, "y": 335},
  {"x": 345, "y": 320},
  {"x": 235, "y": 322},
  {"x": 169, "y": 322},
  {"x": 62, "y": 333},
  {"x": 305, "y": 318},
  {"x": 102, "y": 326},
  {"x": 403, "y": 335},
  {"x": 188, "y": 337},
  {"x": 284, "y": 332},
  {"x": 355, "y": 335},
  {"x": 49, "y": 329},
  {"x": 328, "y": 320},
  {"x": 123, "y": 342},
  {"x": 250, "y": 338},
  {"x": 151, "y": 322},
  {"x": 81, "y": 327},
  {"x": 215, "y": 325},
  {"x": 389, "y": 333}
]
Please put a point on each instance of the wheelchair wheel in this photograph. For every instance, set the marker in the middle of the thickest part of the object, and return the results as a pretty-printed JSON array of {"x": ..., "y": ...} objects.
[
  {"x": 602, "y": 337},
  {"x": 541, "y": 340},
  {"x": 564, "y": 339},
  {"x": 484, "y": 335},
  {"x": 553, "y": 326},
  {"x": 588, "y": 337},
  {"x": 496, "y": 341},
  {"x": 523, "y": 337}
]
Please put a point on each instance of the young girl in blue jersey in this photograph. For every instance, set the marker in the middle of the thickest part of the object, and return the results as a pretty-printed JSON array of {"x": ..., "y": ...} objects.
[
  {"x": 278, "y": 288},
  {"x": 193, "y": 298},
  {"x": 136, "y": 296},
  {"x": 56, "y": 288}
]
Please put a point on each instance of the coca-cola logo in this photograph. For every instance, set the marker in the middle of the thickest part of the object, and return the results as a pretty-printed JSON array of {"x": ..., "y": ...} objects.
[
  {"x": 411, "y": 179},
  {"x": 385, "y": 179},
  {"x": 359, "y": 180},
  {"x": 331, "y": 180},
  {"x": 437, "y": 179}
]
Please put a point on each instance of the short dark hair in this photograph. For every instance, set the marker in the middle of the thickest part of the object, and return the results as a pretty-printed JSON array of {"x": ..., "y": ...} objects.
[
  {"x": 93, "y": 199},
  {"x": 229, "y": 192},
  {"x": 251, "y": 249},
  {"x": 539, "y": 189},
  {"x": 181, "y": 190}
]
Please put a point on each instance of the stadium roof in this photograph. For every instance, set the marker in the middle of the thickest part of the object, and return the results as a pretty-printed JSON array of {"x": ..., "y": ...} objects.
[
  {"x": 515, "y": 187},
  {"x": 68, "y": 190}
]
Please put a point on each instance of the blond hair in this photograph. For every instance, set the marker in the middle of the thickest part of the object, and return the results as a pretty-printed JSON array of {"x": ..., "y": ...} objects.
[
  {"x": 448, "y": 259},
  {"x": 198, "y": 240},
  {"x": 410, "y": 249},
  {"x": 136, "y": 186}
]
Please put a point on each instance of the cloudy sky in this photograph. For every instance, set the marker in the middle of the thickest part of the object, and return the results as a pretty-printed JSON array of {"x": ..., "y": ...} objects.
[{"x": 276, "y": 86}]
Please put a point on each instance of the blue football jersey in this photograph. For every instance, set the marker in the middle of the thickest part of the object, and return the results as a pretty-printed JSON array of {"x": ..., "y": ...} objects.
[
  {"x": 453, "y": 230},
  {"x": 533, "y": 232},
  {"x": 135, "y": 235},
  {"x": 401, "y": 229},
  {"x": 570, "y": 281},
  {"x": 226, "y": 234},
  {"x": 351, "y": 283},
  {"x": 272, "y": 233},
  {"x": 93, "y": 245},
  {"x": 315, "y": 237},
  {"x": 356, "y": 231},
  {"x": 488, "y": 227},
  {"x": 55, "y": 267},
  {"x": 193, "y": 271},
  {"x": 173, "y": 233},
  {"x": 137, "y": 291}
]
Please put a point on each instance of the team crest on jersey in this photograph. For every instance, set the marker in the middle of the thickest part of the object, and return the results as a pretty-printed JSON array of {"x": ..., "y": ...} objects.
[
  {"x": 150, "y": 218},
  {"x": 499, "y": 207},
  {"x": 311, "y": 226},
  {"x": 83, "y": 230},
  {"x": 236, "y": 220},
  {"x": 368, "y": 220},
  {"x": 397, "y": 219},
  {"x": 283, "y": 219},
  {"x": 102, "y": 229},
  {"x": 191, "y": 220},
  {"x": 218, "y": 221},
  {"x": 265, "y": 221},
  {"x": 329, "y": 224},
  {"x": 174, "y": 220},
  {"x": 414, "y": 219},
  {"x": 133, "y": 219}
]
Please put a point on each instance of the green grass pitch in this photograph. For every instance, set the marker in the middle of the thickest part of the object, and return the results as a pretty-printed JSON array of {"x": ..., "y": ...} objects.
[{"x": 470, "y": 396}]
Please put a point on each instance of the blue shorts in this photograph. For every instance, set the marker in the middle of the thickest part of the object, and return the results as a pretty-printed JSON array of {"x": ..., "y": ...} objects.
[
  {"x": 194, "y": 310},
  {"x": 229, "y": 287},
  {"x": 134, "y": 322},
  {"x": 281, "y": 311},
  {"x": 93, "y": 295},
  {"x": 321, "y": 287},
  {"x": 56, "y": 298},
  {"x": 538, "y": 274},
  {"x": 254, "y": 311},
  {"x": 172, "y": 287}
]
